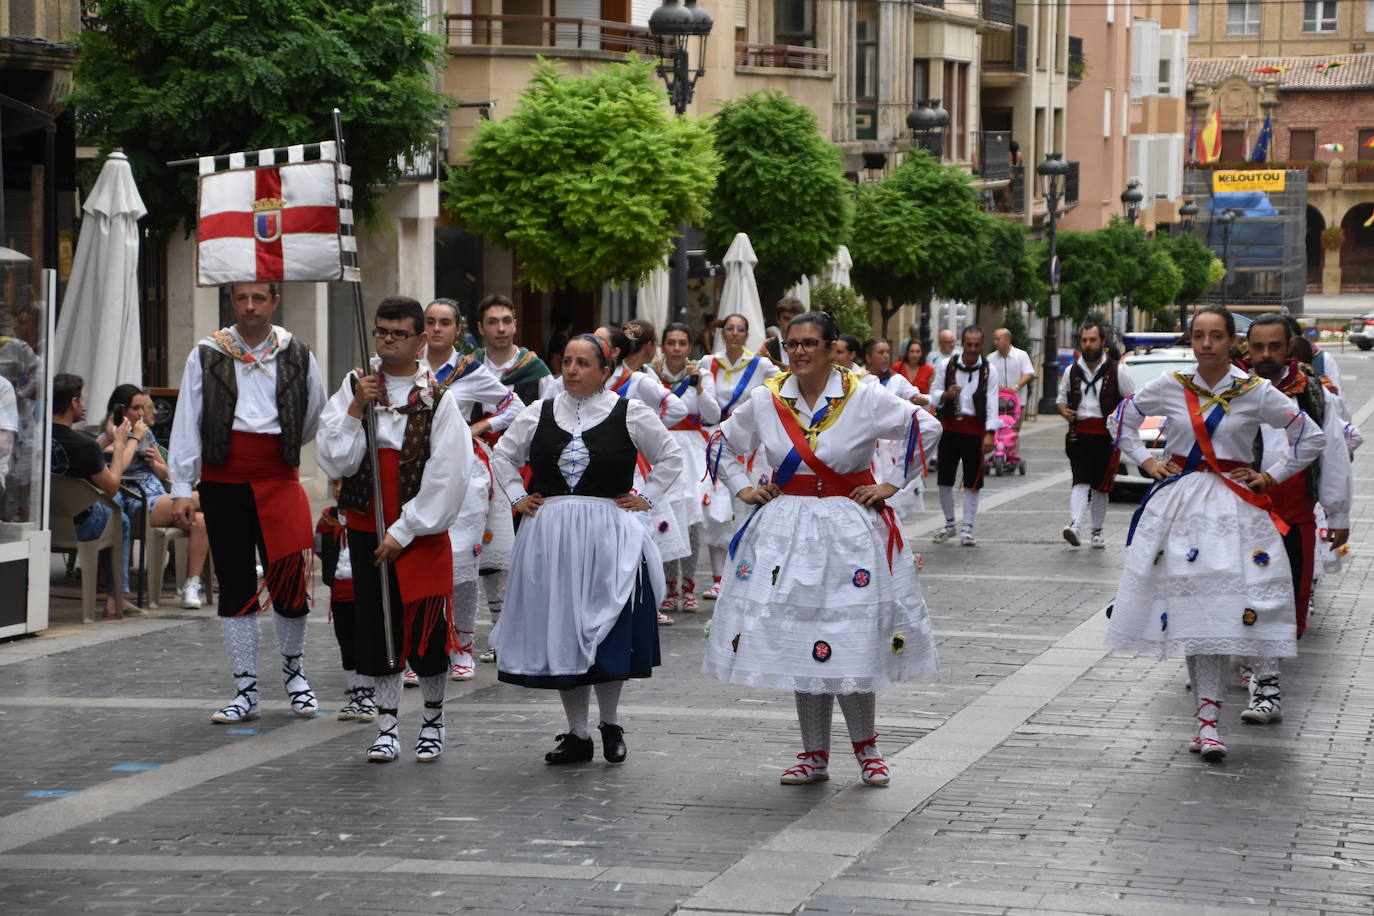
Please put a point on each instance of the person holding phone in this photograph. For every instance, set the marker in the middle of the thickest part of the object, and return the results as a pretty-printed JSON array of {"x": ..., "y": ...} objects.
[{"x": 132, "y": 406}]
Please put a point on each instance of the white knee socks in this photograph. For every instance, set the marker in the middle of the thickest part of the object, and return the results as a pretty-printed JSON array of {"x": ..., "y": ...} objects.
[
  {"x": 814, "y": 711},
  {"x": 947, "y": 504},
  {"x": 970, "y": 508},
  {"x": 576, "y": 703},
  {"x": 608, "y": 701},
  {"x": 1078, "y": 501},
  {"x": 1099, "y": 510},
  {"x": 860, "y": 715}
]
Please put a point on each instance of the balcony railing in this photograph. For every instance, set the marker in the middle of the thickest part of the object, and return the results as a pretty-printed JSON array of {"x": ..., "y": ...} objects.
[
  {"x": 791, "y": 57},
  {"x": 1007, "y": 50},
  {"x": 1000, "y": 11},
  {"x": 994, "y": 155},
  {"x": 481, "y": 29}
]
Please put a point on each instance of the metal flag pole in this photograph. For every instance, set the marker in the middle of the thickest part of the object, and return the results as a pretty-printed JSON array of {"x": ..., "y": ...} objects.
[{"x": 353, "y": 277}]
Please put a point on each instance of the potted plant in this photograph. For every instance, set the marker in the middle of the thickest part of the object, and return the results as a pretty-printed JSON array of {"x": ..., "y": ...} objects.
[{"x": 1333, "y": 237}]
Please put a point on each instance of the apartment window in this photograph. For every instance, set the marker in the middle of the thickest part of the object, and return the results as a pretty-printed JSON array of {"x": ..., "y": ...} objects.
[
  {"x": 1319, "y": 16},
  {"x": 1195, "y": 16},
  {"x": 956, "y": 103},
  {"x": 1369, "y": 15},
  {"x": 1364, "y": 152},
  {"x": 1106, "y": 113},
  {"x": 1302, "y": 145},
  {"x": 795, "y": 22},
  {"x": 1242, "y": 17},
  {"x": 866, "y": 51},
  {"x": 1164, "y": 75},
  {"x": 920, "y": 83}
]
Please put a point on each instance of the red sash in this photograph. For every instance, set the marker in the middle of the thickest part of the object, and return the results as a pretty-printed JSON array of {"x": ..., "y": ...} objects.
[
  {"x": 1204, "y": 441},
  {"x": 1097, "y": 426},
  {"x": 838, "y": 484},
  {"x": 1092, "y": 426},
  {"x": 693, "y": 422},
  {"x": 282, "y": 506},
  {"x": 968, "y": 426}
]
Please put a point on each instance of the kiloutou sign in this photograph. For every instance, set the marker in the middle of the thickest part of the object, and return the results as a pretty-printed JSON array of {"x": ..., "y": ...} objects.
[{"x": 1248, "y": 180}]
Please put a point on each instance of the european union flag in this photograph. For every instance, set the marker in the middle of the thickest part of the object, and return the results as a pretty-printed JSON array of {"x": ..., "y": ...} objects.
[{"x": 1261, "y": 153}]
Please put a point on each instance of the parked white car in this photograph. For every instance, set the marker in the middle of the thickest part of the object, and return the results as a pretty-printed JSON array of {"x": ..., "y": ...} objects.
[
  {"x": 1361, "y": 332},
  {"x": 1142, "y": 367}
]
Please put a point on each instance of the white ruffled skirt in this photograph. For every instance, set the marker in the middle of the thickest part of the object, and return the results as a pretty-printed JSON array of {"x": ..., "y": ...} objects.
[
  {"x": 808, "y": 604},
  {"x": 576, "y": 566},
  {"x": 1206, "y": 574},
  {"x": 484, "y": 532}
]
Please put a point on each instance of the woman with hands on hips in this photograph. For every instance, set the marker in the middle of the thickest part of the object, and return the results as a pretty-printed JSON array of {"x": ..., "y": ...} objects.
[{"x": 581, "y": 609}]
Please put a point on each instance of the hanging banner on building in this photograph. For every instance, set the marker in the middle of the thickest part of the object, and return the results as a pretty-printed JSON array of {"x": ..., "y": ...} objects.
[
  {"x": 1248, "y": 180},
  {"x": 274, "y": 222}
]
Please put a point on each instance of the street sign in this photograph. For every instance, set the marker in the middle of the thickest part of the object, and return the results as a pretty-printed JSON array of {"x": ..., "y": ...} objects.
[{"x": 1054, "y": 305}]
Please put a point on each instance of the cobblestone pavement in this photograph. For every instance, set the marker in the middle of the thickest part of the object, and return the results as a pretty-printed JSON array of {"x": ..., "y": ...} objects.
[{"x": 1037, "y": 774}]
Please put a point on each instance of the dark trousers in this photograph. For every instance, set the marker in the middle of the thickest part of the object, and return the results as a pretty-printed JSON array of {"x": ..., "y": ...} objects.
[
  {"x": 236, "y": 545},
  {"x": 345, "y": 624},
  {"x": 956, "y": 449},
  {"x": 1300, "y": 543},
  {"x": 428, "y": 652}
]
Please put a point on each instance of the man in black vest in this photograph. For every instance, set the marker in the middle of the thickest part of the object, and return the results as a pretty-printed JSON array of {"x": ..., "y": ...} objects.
[
  {"x": 425, "y": 451},
  {"x": 250, "y": 398},
  {"x": 1089, "y": 391},
  {"x": 965, "y": 393}
]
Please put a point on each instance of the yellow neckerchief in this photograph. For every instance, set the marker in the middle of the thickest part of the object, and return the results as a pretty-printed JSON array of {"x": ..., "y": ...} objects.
[
  {"x": 848, "y": 383},
  {"x": 1207, "y": 398},
  {"x": 719, "y": 360}
]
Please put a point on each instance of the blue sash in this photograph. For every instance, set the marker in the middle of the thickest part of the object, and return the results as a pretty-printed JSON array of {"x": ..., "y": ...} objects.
[
  {"x": 681, "y": 387},
  {"x": 784, "y": 473},
  {"x": 1190, "y": 465},
  {"x": 623, "y": 389},
  {"x": 442, "y": 375},
  {"x": 740, "y": 388}
]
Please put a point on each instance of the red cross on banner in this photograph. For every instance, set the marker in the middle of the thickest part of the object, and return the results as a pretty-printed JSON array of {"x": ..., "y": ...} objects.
[{"x": 271, "y": 223}]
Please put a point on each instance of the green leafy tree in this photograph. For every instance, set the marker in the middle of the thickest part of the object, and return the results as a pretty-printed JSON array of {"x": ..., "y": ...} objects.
[
  {"x": 849, "y": 311},
  {"x": 587, "y": 179},
  {"x": 170, "y": 79},
  {"x": 1015, "y": 322},
  {"x": 1096, "y": 267},
  {"x": 1161, "y": 280},
  {"x": 782, "y": 183},
  {"x": 915, "y": 232},
  {"x": 1194, "y": 261},
  {"x": 1005, "y": 272}
]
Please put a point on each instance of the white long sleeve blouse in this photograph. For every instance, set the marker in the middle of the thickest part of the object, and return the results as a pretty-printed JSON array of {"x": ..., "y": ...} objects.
[
  {"x": 646, "y": 429},
  {"x": 870, "y": 414},
  {"x": 342, "y": 446},
  {"x": 1234, "y": 438},
  {"x": 699, "y": 399}
]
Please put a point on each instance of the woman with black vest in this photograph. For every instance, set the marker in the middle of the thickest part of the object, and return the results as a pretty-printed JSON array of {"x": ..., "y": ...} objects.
[{"x": 585, "y": 575}]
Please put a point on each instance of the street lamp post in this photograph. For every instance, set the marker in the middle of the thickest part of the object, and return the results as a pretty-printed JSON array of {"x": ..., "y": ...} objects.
[
  {"x": 679, "y": 24},
  {"x": 1053, "y": 171},
  {"x": 927, "y": 122},
  {"x": 1187, "y": 213},
  {"x": 1131, "y": 199},
  {"x": 1226, "y": 218}
]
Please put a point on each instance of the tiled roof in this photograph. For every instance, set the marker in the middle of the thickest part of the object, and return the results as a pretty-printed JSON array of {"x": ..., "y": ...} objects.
[{"x": 1356, "y": 71}]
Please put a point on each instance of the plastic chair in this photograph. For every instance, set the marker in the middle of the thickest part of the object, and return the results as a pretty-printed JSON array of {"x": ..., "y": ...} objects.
[
  {"x": 159, "y": 539},
  {"x": 71, "y": 497}
]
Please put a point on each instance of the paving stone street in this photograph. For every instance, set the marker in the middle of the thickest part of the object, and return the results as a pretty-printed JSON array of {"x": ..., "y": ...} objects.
[{"x": 1038, "y": 773}]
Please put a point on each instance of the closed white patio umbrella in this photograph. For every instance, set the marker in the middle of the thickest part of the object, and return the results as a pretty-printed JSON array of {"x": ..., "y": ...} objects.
[
  {"x": 98, "y": 335},
  {"x": 652, "y": 299},
  {"x": 837, "y": 271},
  {"x": 741, "y": 294}
]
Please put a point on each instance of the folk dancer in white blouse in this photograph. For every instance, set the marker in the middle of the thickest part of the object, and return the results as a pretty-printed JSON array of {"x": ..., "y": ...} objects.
[
  {"x": 1089, "y": 390},
  {"x": 734, "y": 373},
  {"x": 964, "y": 392},
  {"x": 692, "y": 490},
  {"x": 483, "y": 534},
  {"x": 250, "y": 399},
  {"x": 891, "y": 452},
  {"x": 822, "y": 598},
  {"x": 585, "y": 576},
  {"x": 425, "y": 451},
  {"x": 1206, "y": 575}
]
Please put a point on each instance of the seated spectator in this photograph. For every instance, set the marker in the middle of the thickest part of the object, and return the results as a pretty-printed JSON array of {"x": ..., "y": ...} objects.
[
  {"x": 9, "y": 430},
  {"x": 149, "y": 467},
  {"x": 75, "y": 454}
]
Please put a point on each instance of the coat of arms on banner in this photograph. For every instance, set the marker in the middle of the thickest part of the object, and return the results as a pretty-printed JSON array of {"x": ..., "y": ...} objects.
[{"x": 272, "y": 223}]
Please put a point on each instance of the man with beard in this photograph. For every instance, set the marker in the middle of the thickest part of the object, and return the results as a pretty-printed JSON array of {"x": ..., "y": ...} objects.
[
  {"x": 1088, "y": 393},
  {"x": 1328, "y": 481},
  {"x": 965, "y": 393}
]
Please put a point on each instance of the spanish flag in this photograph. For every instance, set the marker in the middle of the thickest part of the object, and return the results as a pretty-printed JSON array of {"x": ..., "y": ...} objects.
[{"x": 1209, "y": 143}]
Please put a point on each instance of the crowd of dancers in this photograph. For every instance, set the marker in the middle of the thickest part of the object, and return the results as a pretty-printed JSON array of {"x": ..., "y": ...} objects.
[{"x": 581, "y": 502}]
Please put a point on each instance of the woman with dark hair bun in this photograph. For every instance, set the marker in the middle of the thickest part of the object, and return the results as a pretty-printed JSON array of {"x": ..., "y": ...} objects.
[
  {"x": 823, "y": 598},
  {"x": 734, "y": 373}
]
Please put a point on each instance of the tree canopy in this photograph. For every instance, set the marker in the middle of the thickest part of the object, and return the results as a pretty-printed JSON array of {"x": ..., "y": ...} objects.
[
  {"x": 782, "y": 183},
  {"x": 587, "y": 179},
  {"x": 1005, "y": 272},
  {"x": 1194, "y": 261},
  {"x": 851, "y": 315},
  {"x": 914, "y": 233},
  {"x": 170, "y": 79}
]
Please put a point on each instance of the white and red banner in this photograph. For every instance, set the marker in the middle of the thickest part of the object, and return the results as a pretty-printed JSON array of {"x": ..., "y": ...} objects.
[{"x": 272, "y": 223}]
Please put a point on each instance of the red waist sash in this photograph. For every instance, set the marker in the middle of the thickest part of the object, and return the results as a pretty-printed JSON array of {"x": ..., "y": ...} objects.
[
  {"x": 968, "y": 426},
  {"x": 282, "y": 506},
  {"x": 1091, "y": 426},
  {"x": 815, "y": 485},
  {"x": 689, "y": 424},
  {"x": 1217, "y": 465}
]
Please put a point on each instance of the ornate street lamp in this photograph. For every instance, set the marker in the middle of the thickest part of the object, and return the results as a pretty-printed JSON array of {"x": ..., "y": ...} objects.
[
  {"x": 1131, "y": 199},
  {"x": 1053, "y": 171},
  {"x": 1226, "y": 218},
  {"x": 678, "y": 25},
  {"x": 927, "y": 122},
  {"x": 1187, "y": 213}
]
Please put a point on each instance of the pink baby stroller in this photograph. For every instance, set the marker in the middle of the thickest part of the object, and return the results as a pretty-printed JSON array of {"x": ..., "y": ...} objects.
[{"x": 1005, "y": 460}]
